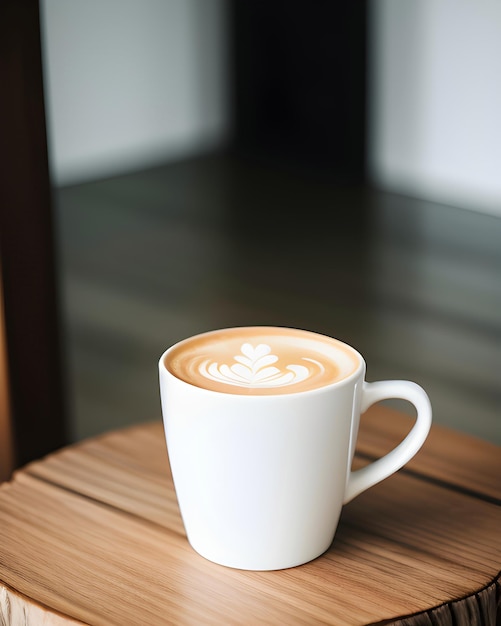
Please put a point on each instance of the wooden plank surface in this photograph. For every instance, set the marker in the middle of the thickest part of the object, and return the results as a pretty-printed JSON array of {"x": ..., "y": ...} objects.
[{"x": 94, "y": 533}]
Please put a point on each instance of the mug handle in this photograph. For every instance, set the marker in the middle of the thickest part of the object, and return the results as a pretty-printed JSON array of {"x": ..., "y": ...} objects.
[{"x": 361, "y": 479}]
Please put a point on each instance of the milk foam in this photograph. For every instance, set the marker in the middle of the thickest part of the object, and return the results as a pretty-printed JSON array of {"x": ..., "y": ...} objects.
[
  {"x": 261, "y": 360},
  {"x": 255, "y": 367}
]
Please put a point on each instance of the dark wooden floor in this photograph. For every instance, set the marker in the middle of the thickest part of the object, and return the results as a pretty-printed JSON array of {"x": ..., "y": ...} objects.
[{"x": 151, "y": 257}]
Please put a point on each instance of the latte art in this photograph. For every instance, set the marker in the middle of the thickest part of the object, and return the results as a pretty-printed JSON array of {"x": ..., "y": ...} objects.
[
  {"x": 255, "y": 367},
  {"x": 261, "y": 361}
]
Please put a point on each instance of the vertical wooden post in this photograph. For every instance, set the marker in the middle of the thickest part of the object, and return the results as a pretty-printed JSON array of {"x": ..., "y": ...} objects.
[
  {"x": 27, "y": 245},
  {"x": 6, "y": 441}
]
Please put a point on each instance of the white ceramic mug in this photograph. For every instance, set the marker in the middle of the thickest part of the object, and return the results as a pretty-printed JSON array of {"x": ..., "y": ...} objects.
[{"x": 261, "y": 464}]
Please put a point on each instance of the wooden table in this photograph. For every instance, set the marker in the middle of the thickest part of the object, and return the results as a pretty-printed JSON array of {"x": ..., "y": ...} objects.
[{"x": 92, "y": 534}]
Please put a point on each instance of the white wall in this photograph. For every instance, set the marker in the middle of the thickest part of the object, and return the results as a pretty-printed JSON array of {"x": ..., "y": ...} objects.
[
  {"x": 436, "y": 100},
  {"x": 130, "y": 83}
]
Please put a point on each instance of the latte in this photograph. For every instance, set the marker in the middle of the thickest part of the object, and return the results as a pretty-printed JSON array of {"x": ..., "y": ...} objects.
[{"x": 261, "y": 360}]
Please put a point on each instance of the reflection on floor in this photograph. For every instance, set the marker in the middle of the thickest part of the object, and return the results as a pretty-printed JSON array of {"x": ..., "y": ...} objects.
[{"x": 152, "y": 257}]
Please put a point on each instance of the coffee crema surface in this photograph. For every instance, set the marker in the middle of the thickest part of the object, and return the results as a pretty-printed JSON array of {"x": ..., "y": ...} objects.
[{"x": 261, "y": 360}]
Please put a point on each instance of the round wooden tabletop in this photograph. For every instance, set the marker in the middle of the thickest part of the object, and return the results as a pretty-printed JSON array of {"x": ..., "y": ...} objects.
[{"x": 92, "y": 534}]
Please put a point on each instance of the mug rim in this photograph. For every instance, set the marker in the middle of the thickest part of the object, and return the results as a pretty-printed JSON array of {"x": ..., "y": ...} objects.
[{"x": 359, "y": 369}]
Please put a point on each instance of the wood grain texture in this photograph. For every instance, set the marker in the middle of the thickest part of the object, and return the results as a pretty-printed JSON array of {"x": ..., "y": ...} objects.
[
  {"x": 18, "y": 610},
  {"x": 93, "y": 532}
]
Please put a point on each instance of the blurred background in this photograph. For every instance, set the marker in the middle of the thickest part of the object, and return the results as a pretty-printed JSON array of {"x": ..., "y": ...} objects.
[{"x": 334, "y": 166}]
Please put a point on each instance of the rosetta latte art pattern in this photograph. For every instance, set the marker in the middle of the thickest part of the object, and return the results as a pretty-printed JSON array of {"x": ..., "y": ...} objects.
[{"x": 256, "y": 367}]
